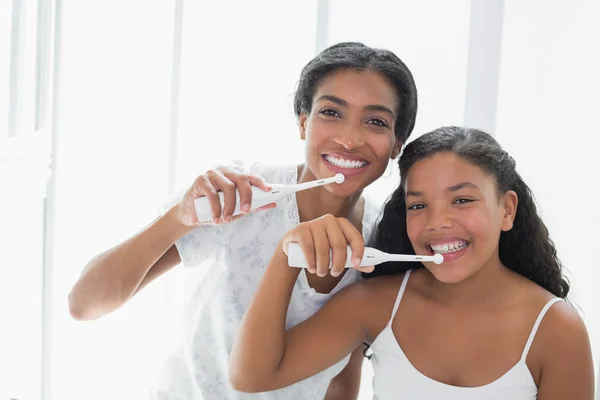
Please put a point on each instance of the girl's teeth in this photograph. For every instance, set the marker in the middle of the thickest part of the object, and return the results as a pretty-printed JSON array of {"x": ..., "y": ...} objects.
[
  {"x": 339, "y": 162},
  {"x": 448, "y": 247}
]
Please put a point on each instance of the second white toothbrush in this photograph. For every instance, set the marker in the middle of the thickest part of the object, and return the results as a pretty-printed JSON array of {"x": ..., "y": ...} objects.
[{"x": 371, "y": 257}]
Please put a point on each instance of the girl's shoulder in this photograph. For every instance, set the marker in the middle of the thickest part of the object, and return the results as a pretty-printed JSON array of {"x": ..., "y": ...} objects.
[
  {"x": 374, "y": 300},
  {"x": 377, "y": 294},
  {"x": 373, "y": 292},
  {"x": 558, "y": 325},
  {"x": 556, "y": 331}
]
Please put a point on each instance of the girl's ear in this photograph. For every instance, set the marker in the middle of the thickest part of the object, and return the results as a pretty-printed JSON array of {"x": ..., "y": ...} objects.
[
  {"x": 302, "y": 125},
  {"x": 511, "y": 201}
]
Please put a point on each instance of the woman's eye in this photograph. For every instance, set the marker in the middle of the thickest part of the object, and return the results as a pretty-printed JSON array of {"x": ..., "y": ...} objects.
[
  {"x": 416, "y": 207},
  {"x": 378, "y": 122},
  {"x": 330, "y": 112},
  {"x": 462, "y": 201}
]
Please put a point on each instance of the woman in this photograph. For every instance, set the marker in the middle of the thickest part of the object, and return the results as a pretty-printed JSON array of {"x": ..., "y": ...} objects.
[{"x": 356, "y": 107}]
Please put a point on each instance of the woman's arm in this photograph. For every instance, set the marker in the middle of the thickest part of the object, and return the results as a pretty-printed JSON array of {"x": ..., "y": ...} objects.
[
  {"x": 111, "y": 278},
  {"x": 568, "y": 370},
  {"x": 267, "y": 357}
]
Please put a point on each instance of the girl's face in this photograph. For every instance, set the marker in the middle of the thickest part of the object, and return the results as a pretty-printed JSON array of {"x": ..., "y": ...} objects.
[
  {"x": 453, "y": 208},
  {"x": 350, "y": 129}
]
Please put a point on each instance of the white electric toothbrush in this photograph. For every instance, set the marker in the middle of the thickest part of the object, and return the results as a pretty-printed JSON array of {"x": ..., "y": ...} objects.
[
  {"x": 260, "y": 197},
  {"x": 371, "y": 257}
]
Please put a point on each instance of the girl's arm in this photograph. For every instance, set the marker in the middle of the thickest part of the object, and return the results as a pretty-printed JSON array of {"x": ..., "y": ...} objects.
[
  {"x": 567, "y": 370},
  {"x": 267, "y": 357},
  {"x": 346, "y": 385}
]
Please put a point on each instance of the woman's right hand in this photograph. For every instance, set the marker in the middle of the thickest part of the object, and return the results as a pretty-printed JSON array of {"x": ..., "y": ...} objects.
[{"x": 226, "y": 180}]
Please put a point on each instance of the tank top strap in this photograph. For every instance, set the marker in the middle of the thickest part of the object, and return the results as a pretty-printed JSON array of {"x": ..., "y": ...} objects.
[
  {"x": 399, "y": 297},
  {"x": 538, "y": 321}
]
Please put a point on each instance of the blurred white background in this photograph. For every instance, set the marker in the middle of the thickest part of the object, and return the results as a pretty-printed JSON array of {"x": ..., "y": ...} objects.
[{"x": 130, "y": 100}]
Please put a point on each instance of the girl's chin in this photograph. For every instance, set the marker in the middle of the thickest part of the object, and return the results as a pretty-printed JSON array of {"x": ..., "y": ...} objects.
[{"x": 448, "y": 273}]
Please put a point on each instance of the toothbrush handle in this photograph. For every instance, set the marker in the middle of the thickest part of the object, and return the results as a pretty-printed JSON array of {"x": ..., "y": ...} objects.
[
  {"x": 296, "y": 257},
  {"x": 259, "y": 198}
]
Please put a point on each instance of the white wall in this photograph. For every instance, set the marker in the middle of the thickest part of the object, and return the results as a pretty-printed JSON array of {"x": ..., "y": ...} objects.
[
  {"x": 5, "y": 25},
  {"x": 547, "y": 119}
]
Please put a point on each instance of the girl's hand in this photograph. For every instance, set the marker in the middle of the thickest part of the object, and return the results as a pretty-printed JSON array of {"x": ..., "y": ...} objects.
[
  {"x": 287, "y": 356},
  {"x": 225, "y": 180},
  {"x": 325, "y": 240}
]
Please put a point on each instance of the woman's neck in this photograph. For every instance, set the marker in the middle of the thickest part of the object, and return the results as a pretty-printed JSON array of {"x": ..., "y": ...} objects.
[{"x": 317, "y": 202}]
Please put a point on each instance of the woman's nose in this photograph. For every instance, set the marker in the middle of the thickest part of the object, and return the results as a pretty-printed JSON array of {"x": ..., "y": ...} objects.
[{"x": 350, "y": 138}]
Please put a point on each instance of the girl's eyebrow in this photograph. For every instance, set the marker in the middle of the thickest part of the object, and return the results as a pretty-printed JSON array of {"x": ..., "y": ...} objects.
[
  {"x": 462, "y": 185},
  {"x": 453, "y": 188}
]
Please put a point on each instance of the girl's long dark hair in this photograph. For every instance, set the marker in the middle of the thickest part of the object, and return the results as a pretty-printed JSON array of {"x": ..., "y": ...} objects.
[{"x": 526, "y": 249}]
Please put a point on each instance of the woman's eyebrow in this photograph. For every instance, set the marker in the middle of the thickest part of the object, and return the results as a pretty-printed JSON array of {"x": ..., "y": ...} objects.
[{"x": 344, "y": 103}]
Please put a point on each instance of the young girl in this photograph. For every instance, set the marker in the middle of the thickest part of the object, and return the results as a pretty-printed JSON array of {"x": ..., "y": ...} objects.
[
  {"x": 488, "y": 323},
  {"x": 356, "y": 107}
]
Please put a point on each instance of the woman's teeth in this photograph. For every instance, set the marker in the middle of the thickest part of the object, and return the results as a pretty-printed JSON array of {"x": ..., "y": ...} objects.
[
  {"x": 450, "y": 247},
  {"x": 340, "y": 162}
]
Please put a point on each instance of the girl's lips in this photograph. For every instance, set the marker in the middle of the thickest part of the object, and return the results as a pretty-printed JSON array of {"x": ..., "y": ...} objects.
[{"x": 449, "y": 255}]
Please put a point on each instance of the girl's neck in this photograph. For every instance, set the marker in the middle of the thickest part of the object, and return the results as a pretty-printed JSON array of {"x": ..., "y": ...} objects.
[
  {"x": 481, "y": 290},
  {"x": 317, "y": 202}
]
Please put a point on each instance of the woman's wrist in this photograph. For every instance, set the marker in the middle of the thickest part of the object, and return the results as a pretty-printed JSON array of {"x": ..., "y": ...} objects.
[{"x": 176, "y": 228}]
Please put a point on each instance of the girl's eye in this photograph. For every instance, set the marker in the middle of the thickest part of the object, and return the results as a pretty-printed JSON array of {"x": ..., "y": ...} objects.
[
  {"x": 416, "y": 207},
  {"x": 462, "y": 201},
  {"x": 330, "y": 112},
  {"x": 378, "y": 122}
]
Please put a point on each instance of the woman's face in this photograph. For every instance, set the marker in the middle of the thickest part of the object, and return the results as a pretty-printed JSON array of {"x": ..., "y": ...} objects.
[
  {"x": 453, "y": 208},
  {"x": 350, "y": 129}
]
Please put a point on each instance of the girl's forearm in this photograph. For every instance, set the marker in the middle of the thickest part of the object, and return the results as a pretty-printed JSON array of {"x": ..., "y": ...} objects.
[{"x": 260, "y": 343}]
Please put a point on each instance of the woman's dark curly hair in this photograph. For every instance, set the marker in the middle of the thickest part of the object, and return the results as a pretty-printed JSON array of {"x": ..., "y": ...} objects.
[{"x": 526, "y": 249}]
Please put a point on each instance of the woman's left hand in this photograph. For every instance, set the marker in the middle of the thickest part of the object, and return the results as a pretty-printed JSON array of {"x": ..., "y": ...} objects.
[{"x": 324, "y": 240}]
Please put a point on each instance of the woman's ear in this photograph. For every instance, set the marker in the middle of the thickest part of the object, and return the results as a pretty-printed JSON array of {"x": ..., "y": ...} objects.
[
  {"x": 396, "y": 149},
  {"x": 511, "y": 201},
  {"x": 302, "y": 125}
]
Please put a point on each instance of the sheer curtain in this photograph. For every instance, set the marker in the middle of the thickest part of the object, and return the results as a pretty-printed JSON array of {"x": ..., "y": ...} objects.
[{"x": 111, "y": 174}]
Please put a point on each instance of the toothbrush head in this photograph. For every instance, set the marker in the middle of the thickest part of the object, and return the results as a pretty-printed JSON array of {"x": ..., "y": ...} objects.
[
  {"x": 339, "y": 178},
  {"x": 438, "y": 258}
]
